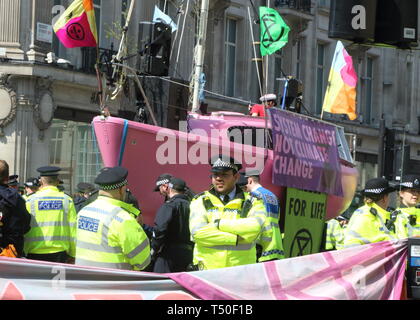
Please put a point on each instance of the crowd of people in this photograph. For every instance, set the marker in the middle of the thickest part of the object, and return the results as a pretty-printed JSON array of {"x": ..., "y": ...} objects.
[{"x": 235, "y": 222}]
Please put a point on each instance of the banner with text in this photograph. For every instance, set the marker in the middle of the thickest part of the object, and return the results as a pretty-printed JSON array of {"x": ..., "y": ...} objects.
[
  {"x": 373, "y": 271},
  {"x": 305, "y": 154},
  {"x": 370, "y": 272},
  {"x": 304, "y": 222}
]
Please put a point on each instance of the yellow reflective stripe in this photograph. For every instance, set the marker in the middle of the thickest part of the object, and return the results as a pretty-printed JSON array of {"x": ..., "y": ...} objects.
[
  {"x": 138, "y": 249},
  {"x": 356, "y": 235},
  {"x": 49, "y": 238},
  {"x": 97, "y": 247},
  {"x": 198, "y": 227},
  {"x": 144, "y": 264},
  {"x": 112, "y": 265},
  {"x": 239, "y": 247}
]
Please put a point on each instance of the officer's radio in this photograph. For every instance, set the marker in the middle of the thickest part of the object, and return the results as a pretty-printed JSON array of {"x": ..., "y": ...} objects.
[{"x": 413, "y": 269}]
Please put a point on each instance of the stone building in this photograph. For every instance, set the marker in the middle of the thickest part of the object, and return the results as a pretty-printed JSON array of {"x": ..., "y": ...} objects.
[{"x": 48, "y": 100}]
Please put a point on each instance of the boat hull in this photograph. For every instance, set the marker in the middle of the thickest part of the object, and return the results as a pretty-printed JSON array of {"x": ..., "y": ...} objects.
[{"x": 149, "y": 151}]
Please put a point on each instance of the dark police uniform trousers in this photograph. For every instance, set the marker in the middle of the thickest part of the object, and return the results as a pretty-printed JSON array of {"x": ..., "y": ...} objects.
[
  {"x": 173, "y": 249},
  {"x": 15, "y": 220}
]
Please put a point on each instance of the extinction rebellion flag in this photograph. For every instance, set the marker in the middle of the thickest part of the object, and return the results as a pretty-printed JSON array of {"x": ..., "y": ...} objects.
[
  {"x": 77, "y": 27},
  {"x": 274, "y": 31}
]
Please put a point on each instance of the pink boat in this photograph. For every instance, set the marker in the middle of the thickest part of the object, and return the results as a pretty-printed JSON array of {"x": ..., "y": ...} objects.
[{"x": 148, "y": 151}]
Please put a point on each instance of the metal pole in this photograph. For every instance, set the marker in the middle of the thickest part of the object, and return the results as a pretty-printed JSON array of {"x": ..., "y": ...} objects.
[
  {"x": 200, "y": 54},
  {"x": 382, "y": 130}
]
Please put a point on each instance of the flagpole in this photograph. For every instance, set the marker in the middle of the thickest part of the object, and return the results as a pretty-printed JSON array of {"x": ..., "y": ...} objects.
[{"x": 255, "y": 52}]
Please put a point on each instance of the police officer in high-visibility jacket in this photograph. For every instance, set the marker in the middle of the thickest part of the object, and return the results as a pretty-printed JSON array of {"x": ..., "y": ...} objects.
[
  {"x": 270, "y": 241},
  {"x": 336, "y": 228},
  {"x": 368, "y": 224},
  {"x": 108, "y": 234},
  {"x": 53, "y": 223},
  {"x": 225, "y": 222},
  {"x": 31, "y": 187},
  {"x": 407, "y": 222}
]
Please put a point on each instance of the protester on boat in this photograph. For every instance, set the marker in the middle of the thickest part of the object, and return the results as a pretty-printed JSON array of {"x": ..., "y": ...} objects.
[
  {"x": 225, "y": 222},
  {"x": 368, "y": 223},
  {"x": 172, "y": 249},
  {"x": 407, "y": 222},
  {"x": 270, "y": 241},
  {"x": 108, "y": 234},
  {"x": 14, "y": 218},
  {"x": 268, "y": 101},
  {"x": 52, "y": 236},
  {"x": 31, "y": 186}
]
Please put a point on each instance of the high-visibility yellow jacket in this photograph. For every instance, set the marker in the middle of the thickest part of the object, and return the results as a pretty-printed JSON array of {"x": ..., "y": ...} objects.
[
  {"x": 232, "y": 242},
  {"x": 368, "y": 226},
  {"x": 109, "y": 236},
  {"x": 53, "y": 222},
  {"x": 407, "y": 223},
  {"x": 335, "y": 235}
]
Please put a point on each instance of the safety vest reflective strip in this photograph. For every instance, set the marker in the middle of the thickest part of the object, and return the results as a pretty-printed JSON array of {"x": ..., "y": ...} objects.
[
  {"x": 239, "y": 247},
  {"x": 112, "y": 265},
  {"x": 384, "y": 229},
  {"x": 103, "y": 246},
  {"x": 41, "y": 237},
  {"x": 356, "y": 235}
]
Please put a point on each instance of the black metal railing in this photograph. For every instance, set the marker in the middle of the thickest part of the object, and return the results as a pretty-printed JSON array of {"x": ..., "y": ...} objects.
[
  {"x": 302, "y": 5},
  {"x": 89, "y": 59}
]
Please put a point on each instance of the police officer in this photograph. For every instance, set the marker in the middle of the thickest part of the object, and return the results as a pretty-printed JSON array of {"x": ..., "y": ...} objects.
[
  {"x": 407, "y": 221},
  {"x": 14, "y": 218},
  {"x": 84, "y": 189},
  {"x": 162, "y": 185},
  {"x": 270, "y": 241},
  {"x": 171, "y": 244},
  {"x": 225, "y": 222},
  {"x": 108, "y": 234},
  {"x": 13, "y": 182},
  {"x": 368, "y": 224},
  {"x": 31, "y": 186},
  {"x": 336, "y": 228},
  {"x": 53, "y": 224}
]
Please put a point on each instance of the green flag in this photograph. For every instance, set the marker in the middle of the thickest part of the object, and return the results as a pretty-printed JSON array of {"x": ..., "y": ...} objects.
[{"x": 274, "y": 31}]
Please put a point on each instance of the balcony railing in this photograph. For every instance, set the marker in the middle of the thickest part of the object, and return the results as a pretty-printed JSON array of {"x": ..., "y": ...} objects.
[
  {"x": 89, "y": 59},
  {"x": 301, "y": 5}
]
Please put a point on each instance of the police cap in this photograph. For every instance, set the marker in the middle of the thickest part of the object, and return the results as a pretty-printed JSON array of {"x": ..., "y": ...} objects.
[
  {"x": 411, "y": 181},
  {"x": 177, "y": 184},
  {"x": 377, "y": 186},
  {"x": 32, "y": 182},
  {"x": 251, "y": 173},
  {"x": 48, "y": 171},
  {"x": 112, "y": 178},
  {"x": 13, "y": 180},
  {"x": 243, "y": 180},
  {"x": 223, "y": 163},
  {"x": 162, "y": 179},
  {"x": 85, "y": 187}
]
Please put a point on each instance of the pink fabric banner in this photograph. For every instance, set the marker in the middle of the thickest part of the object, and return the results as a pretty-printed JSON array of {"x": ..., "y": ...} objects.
[{"x": 369, "y": 272}]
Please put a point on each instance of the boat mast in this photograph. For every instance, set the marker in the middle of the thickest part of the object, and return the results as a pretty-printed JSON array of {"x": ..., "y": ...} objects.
[{"x": 199, "y": 55}]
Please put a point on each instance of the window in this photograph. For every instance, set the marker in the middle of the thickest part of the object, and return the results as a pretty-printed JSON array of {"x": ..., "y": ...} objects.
[
  {"x": 324, "y": 3},
  {"x": 368, "y": 91},
  {"x": 298, "y": 58},
  {"x": 230, "y": 56},
  {"x": 320, "y": 78},
  {"x": 73, "y": 148},
  {"x": 408, "y": 90},
  {"x": 278, "y": 56}
]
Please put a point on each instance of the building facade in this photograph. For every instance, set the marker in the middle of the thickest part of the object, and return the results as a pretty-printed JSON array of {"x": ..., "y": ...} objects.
[{"x": 48, "y": 100}]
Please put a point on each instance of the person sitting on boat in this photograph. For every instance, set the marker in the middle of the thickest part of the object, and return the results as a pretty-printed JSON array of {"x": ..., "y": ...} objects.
[
  {"x": 108, "y": 234},
  {"x": 407, "y": 222},
  {"x": 270, "y": 243},
  {"x": 368, "y": 223},
  {"x": 258, "y": 110},
  {"x": 225, "y": 222}
]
